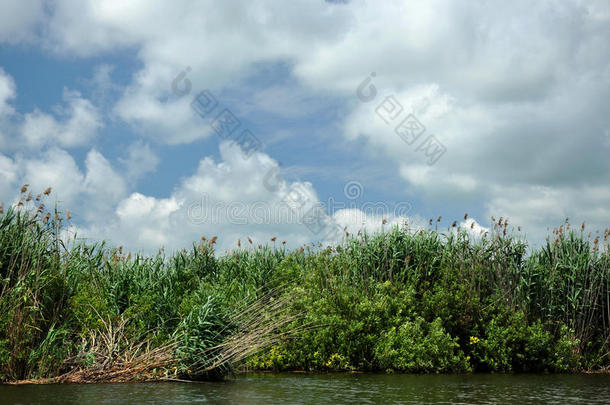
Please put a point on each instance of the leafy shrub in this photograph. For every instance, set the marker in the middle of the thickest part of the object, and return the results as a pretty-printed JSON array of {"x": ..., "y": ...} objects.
[
  {"x": 420, "y": 347},
  {"x": 511, "y": 344}
]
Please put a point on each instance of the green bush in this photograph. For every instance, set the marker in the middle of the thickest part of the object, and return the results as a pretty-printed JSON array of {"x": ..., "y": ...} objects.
[{"x": 420, "y": 347}]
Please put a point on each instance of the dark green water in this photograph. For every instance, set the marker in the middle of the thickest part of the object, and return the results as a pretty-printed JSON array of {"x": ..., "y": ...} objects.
[{"x": 329, "y": 389}]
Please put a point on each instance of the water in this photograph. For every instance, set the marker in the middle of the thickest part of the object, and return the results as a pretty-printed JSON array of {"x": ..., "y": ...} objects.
[{"x": 329, "y": 389}]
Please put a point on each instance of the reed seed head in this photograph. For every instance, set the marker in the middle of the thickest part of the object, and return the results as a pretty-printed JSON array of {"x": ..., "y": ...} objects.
[{"x": 47, "y": 191}]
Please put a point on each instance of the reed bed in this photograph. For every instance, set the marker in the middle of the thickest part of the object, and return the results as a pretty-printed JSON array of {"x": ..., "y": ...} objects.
[{"x": 403, "y": 300}]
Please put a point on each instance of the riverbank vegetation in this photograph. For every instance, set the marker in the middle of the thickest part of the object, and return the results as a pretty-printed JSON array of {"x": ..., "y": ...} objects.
[{"x": 397, "y": 301}]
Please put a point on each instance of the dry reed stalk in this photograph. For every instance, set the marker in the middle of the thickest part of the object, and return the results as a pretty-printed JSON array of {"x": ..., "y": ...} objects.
[{"x": 260, "y": 325}]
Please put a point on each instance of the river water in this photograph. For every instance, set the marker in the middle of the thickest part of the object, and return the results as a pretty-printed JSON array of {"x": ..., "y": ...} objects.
[{"x": 294, "y": 388}]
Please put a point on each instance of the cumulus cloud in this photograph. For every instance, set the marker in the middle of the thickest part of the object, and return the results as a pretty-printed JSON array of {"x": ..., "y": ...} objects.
[
  {"x": 54, "y": 168},
  {"x": 539, "y": 209},
  {"x": 75, "y": 123},
  {"x": 8, "y": 176},
  {"x": 218, "y": 41},
  {"x": 474, "y": 229},
  {"x": 92, "y": 195},
  {"x": 139, "y": 161},
  {"x": 228, "y": 199},
  {"x": 18, "y": 20},
  {"x": 355, "y": 220},
  {"x": 103, "y": 186},
  {"x": 79, "y": 124},
  {"x": 515, "y": 98},
  {"x": 7, "y": 92},
  {"x": 233, "y": 198},
  {"x": 516, "y": 92}
]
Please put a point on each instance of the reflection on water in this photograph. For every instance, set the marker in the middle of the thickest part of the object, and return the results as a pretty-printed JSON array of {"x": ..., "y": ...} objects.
[{"x": 329, "y": 389}]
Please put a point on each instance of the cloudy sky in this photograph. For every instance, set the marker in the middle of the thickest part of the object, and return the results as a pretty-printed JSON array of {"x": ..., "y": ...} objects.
[{"x": 159, "y": 122}]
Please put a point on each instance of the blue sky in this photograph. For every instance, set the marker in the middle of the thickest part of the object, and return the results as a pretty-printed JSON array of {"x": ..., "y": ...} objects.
[{"x": 515, "y": 100}]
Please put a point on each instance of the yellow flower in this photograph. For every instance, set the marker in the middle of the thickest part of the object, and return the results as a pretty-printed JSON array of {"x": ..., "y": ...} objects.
[{"x": 474, "y": 340}]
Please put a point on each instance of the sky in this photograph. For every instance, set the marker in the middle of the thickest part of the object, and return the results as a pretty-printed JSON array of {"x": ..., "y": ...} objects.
[{"x": 157, "y": 123}]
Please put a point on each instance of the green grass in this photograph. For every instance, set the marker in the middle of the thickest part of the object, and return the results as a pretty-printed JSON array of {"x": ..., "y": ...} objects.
[{"x": 395, "y": 301}]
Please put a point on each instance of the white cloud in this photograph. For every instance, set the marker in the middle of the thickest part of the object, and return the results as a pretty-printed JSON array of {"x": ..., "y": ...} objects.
[
  {"x": 219, "y": 41},
  {"x": 227, "y": 199},
  {"x": 91, "y": 196},
  {"x": 103, "y": 186},
  {"x": 139, "y": 161},
  {"x": 18, "y": 20},
  {"x": 233, "y": 199},
  {"x": 147, "y": 222},
  {"x": 539, "y": 209},
  {"x": 79, "y": 124},
  {"x": 8, "y": 177},
  {"x": 7, "y": 92},
  {"x": 357, "y": 220},
  {"x": 54, "y": 168},
  {"x": 474, "y": 229}
]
